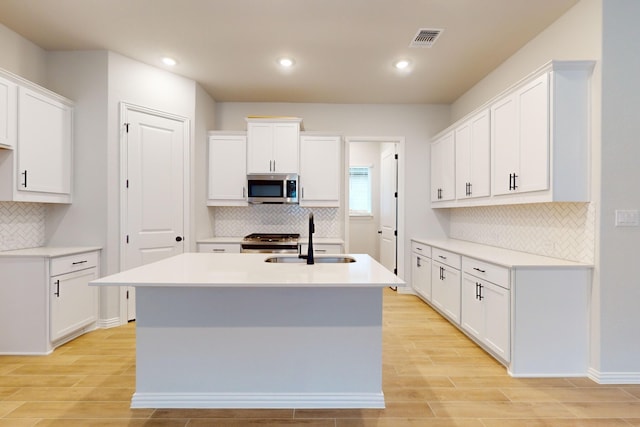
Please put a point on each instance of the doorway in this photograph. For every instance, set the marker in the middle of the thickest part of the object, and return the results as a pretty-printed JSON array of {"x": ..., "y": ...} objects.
[
  {"x": 368, "y": 232},
  {"x": 154, "y": 197}
]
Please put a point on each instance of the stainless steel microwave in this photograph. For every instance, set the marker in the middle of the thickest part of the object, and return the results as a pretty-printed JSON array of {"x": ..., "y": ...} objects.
[{"x": 272, "y": 188}]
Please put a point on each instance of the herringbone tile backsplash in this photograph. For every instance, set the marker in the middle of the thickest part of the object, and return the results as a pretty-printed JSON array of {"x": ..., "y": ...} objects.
[
  {"x": 240, "y": 221},
  {"x": 21, "y": 225},
  {"x": 559, "y": 230}
]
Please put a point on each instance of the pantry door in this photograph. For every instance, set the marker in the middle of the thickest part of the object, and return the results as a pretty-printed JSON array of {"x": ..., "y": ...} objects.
[
  {"x": 155, "y": 145},
  {"x": 389, "y": 208}
]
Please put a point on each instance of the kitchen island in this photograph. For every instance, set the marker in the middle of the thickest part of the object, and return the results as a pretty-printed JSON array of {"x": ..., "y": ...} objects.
[{"x": 234, "y": 331}]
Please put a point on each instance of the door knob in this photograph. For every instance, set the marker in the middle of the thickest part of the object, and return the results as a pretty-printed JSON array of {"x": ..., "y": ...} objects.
[
  {"x": 178, "y": 239},
  {"x": 379, "y": 231}
]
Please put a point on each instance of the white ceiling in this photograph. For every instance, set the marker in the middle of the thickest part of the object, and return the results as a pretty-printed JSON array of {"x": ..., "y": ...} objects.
[{"x": 344, "y": 49}]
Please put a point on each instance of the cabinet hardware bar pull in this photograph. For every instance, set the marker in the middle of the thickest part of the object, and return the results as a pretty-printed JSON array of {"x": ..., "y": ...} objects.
[
  {"x": 514, "y": 181},
  {"x": 477, "y": 292},
  {"x": 24, "y": 184},
  {"x": 274, "y": 166},
  {"x": 57, "y": 292},
  {"x": 480, "y": 297},
  {"x": 481, "y": 271},
  {"x": 418, "y": 262},
  {"x": 443, "y": 257},
  {"x": 78, "y": 262},
  {"x": 243, "y": 192},
  {"x": 218, "y": 250}
]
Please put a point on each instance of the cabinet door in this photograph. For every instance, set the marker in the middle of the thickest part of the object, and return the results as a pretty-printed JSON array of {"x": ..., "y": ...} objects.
[
  {"x": 472, "y": 315},
  {"x": 227, "y": 170},
  {"x": 259, "y": 148},
  {"x": 463, "y": 160},
  {"x": 421, "y": 275},
  {"x": 533, "y": 120},
  {"x": 8, "y": 110},
  {"x": 286, "y": 139},
  {"x": 443, "y": 169},
  {"x": 72, "y": 302},
  {"x": 505, "y": 144},
  {"x": 445, "y": 290},
  {"x": 496, "y": 319},
  {"x": 320, "y": 171},
  {"x": 44, "y": 148},
  {"x": 480, "y": 158}
]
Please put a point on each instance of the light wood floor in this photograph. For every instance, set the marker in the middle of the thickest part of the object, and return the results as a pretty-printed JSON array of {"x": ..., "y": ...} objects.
[{"x": 433, "y": 376}]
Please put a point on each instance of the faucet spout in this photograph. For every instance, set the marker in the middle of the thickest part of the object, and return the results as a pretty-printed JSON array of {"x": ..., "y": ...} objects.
[{"x": 312, "y": 229}]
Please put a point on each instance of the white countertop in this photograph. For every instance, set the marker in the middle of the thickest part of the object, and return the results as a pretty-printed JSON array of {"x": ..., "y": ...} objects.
[
  {"x": 500, "y": 256},
  {"x": 250, "y": 270},
  {"x": 49, "y": 252}
]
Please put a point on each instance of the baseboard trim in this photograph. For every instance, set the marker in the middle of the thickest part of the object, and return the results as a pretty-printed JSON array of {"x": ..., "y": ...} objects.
[
  {"x": 108, "y": 323},
  {"x": 258, "y": 400},
  {"x": 613, "y": 377}
]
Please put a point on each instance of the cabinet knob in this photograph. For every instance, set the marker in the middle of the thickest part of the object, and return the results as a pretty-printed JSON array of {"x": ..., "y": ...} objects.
[{"x": 179, "y": 239}]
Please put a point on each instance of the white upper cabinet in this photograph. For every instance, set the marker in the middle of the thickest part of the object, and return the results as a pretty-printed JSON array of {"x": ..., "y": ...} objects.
[
  {"x": 443, "y": 169},
  {"x": 227, "y": 170},
  {"x": 320, "y": 171},
  {"x": 273, "y": 145},
  {"x": 520, "y": 135},
  {"x": 8, "y": 111},
  {"x": 473, "y": 160},
  {"x": 39, "y": 168},
  {"x": 538, "y": 145}
]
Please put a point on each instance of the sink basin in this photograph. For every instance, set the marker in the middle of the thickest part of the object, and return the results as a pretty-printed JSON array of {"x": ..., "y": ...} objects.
[{"x": 337, "y": 259}]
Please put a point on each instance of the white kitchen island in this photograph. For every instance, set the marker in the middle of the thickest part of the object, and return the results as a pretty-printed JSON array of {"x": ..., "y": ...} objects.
[{"x": 232, "y": 331}]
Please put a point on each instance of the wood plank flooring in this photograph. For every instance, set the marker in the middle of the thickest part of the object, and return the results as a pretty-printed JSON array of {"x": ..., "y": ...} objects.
[{"x": 433, "y": 376}]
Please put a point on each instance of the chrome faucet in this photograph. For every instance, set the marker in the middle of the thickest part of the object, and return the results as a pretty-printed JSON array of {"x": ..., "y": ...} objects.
[{"x": 312, "y": 229}]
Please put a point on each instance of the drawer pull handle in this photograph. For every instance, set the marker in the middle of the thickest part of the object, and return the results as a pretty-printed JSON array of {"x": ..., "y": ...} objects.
[
  {"x": 442, "y": 257},
  {"x": 57, "y": 292},
  {"x": 218, "y": 250},
  {"x": 78, "y": 262},
  {"x": 419, "y": 249},
  {"x": 481, "y": 271}
]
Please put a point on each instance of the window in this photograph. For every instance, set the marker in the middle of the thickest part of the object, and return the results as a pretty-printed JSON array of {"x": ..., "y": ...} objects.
[{"x": 360, "y": 191}]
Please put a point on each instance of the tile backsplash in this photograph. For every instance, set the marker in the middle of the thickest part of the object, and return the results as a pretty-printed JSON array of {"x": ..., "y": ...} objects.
[
  {"x": 21, "y": 225},
  {"x": 240, "y": 221},
  {"x": 559, "y": 230}
]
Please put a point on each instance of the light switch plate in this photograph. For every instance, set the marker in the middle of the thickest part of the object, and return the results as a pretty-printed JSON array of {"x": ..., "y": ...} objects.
[{"x": 627, "y": 218}]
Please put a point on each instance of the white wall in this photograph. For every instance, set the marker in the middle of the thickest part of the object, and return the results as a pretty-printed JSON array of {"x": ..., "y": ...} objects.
[
  {"x": 22, "y": 57},
  {"x": 619, "y": 322},
  {"x": 417, "y": 123}
]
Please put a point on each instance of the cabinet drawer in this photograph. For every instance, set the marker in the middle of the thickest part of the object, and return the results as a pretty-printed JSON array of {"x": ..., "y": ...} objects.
[
  {"x": 321, "y": 249},
  {"x": 446, "y": 257},
  {"x": 484, "y": 270},
  {"x": 421, "y": 248},
  {"x": 219, "y": 248},
  {"x": 67, "y": 264}
]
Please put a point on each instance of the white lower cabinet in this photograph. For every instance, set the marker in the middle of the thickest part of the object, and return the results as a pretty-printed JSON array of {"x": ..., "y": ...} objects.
[
  {"x": 421, "y": 269},
  {"x": 485, "y": 314},
  {"x": 219, "y": 248},
  {"x": 445, "y": 283},
  {"x": 322, "y": 248},
  {"x": 46, "y": 298},
  {"x": 529, "y": 312}
]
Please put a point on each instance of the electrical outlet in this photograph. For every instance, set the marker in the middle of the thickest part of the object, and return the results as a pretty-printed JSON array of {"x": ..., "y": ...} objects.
[{"x": 627, "y": 218}]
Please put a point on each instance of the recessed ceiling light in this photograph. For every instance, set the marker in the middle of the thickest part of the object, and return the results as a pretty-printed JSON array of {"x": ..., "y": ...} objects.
[
  {"x": 169, "y": 61},
  {"x": 285, "y": 62},
  {"x": 402, "y": 64}
]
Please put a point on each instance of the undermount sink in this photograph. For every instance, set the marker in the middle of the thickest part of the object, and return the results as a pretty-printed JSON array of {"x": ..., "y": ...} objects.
[{"x": 338, "y": 259}]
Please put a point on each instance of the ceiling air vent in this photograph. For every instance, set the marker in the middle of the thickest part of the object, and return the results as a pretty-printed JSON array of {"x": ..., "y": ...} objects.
[{"x": 425, "y": 37}]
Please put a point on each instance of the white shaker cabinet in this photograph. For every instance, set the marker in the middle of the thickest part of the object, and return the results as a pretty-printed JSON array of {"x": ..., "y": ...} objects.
[
  {"x": 39, "y": 168},
  {"x": 272, "y": 145},
  {"x": 421, "y": 269},
  {"x": 227, "y": 170},
  {"x": 46, "y": 297},
  {"x": 443, "y": 168},
  {"x": 8, "y": 113},
  {"x": 520, "y": 135},
  {"x": 485, "y": 305},
  {"x": 445, "y": 283},
  {"x": 472, "y": 157},
  {"x": 320, "y": 171},
  {"x": 220, "y": 248}
]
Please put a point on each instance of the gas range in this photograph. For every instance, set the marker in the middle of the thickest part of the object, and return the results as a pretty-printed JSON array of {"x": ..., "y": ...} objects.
[{"x": 270, "y": 243}]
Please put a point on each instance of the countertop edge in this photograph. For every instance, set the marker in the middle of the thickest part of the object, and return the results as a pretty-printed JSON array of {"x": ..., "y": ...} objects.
[
  {"x": 48, "y": 252},
  {"x": 500, "y": 256}
]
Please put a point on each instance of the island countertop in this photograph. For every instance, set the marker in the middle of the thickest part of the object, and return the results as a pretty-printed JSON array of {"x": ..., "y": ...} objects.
[{"x": 250, "y": 270}]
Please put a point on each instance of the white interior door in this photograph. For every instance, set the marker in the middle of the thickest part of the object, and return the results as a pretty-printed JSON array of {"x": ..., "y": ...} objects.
[
  {"x": 154, "y": 180},
  {"x": 388, "y": 208}
]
